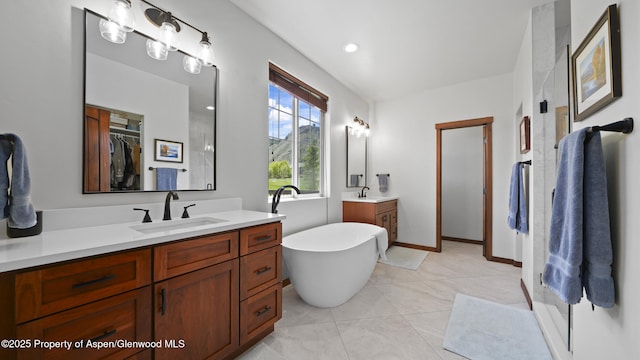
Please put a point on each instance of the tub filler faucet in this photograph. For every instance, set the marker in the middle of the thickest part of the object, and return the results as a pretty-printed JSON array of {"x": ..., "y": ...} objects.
[{"x": 276, "y": 197}]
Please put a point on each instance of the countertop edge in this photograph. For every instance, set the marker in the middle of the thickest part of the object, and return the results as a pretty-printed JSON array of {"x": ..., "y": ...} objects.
[
  {"x": 371, "y": 200},
  {"x": 124, "y": 239}
]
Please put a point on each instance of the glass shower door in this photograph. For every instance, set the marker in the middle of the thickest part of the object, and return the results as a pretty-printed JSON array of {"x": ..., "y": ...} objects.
[{"x": 556, "y": 126}]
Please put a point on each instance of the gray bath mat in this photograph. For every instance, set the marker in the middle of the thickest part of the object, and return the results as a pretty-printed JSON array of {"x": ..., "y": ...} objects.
[
  {"x": 479, "y": 329},
  {"x": 404, "y": 257}
]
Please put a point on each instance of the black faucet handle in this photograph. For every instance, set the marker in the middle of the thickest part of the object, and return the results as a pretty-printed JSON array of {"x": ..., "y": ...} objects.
[
  {"x": 185, "y": 213},
  {"x": 147, "y": 218}
]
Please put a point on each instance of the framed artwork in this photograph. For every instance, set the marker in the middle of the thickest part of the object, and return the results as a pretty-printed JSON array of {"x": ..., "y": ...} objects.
[
  {"x": 595, "y": 67},
  {"x": 170, "y": 151},
  {"x": 525, "y": 136}
]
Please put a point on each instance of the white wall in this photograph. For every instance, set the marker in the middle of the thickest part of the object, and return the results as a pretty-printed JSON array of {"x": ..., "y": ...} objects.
[
  {"x": 403, "y": 145},
  {"x": 42, "y": 102},
  {"x": 613, "y": 334},
  {"x": 462, "y": 183},
  {"x": 163, "y": 103}
]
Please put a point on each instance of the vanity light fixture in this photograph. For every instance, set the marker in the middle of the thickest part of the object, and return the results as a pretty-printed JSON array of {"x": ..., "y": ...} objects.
[
  {"x": 360, "y": 127},
  {"x": 121, "y": 20}
]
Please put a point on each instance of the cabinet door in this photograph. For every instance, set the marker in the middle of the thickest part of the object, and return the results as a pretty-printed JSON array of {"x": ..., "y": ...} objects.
[
  {"x": 97, "y": 158},
  {"x": 200, "y": 308}
]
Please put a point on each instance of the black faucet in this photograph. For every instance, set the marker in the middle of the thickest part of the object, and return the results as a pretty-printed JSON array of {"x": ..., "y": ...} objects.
[
  {"x": 362, "y": 194},
  {"x": 276, "y": 197},
  {"x": 167, "y": 208}
]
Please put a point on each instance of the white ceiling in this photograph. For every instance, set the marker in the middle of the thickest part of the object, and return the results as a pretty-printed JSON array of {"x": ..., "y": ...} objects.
[{"x": 406, "y": 46}]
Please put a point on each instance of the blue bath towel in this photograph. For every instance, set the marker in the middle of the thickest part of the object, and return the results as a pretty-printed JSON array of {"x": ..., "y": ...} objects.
[
  {"x": 597, "y": 252},
  {"x": 517, "y": 218},
  {"x": 166, "y": 178},
  {"x": 22, "y": 215},
  {"x": 580, "y": 253},
  {"x": 5, "y": 153}
]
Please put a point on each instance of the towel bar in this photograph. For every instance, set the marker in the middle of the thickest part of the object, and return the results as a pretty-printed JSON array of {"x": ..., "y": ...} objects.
[
  {"x": 624, "y": 126},
  {"x": 152, "y": 168}
]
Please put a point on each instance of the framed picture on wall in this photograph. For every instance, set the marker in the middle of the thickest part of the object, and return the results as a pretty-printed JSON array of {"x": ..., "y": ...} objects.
[
  {"x": 525, "y": 136},
  {"x": 170, "y": 151},
  {"x": 595, "y": 67}
]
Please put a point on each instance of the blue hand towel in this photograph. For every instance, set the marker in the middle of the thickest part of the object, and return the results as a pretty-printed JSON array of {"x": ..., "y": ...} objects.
[
  {"x": 517, "y": 218},
  {"x": 580, "y": 240},
  {"x": 22, "y": 215},
  {"x": 166, "y": 178},
  {"x": 597, "y": 252},
  {"x": 383, "y": 182},
  {"x": 5, "y": 153}
]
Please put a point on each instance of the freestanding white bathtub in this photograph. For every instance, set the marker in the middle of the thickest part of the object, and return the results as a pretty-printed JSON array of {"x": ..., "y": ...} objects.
[{"x": 329, "y": 264}]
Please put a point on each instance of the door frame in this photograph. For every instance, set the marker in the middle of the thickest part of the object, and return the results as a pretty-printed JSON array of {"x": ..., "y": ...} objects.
[{"x": 487, "y": 174}]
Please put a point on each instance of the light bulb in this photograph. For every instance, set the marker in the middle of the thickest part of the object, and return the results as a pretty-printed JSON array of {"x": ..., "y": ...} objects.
[
  {"x": 168, "y": 36},
  {"x": 205, "y": 51},
  {"x": 121, "y": 14},
  {"x": 112, "y": 32},
  {"x": 156, "y": 50},
  {"x": 191, "y": 65}
]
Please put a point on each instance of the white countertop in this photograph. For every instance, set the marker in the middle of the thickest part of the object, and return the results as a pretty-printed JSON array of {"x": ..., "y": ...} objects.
[
  {"x": 371, "y": 199},
  {"x": 68, "y": 244}
]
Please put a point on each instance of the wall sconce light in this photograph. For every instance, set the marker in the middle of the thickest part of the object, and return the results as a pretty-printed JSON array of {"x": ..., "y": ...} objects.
[
  {"x": 360, "y": 127},
  {"x": 121, "y": 20}
]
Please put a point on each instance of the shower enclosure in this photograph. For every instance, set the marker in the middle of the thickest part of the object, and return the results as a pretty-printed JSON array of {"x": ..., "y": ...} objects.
[{"x": 550, "y": 123}]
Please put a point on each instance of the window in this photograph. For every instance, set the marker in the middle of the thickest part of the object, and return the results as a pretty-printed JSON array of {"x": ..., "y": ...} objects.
[{"x": 296, "y": 118}]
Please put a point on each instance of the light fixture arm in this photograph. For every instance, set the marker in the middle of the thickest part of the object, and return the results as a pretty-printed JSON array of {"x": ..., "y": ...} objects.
[{"x": 172, "y": 17}]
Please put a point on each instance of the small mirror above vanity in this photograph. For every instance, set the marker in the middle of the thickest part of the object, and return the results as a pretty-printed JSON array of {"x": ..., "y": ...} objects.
[
  {"x": 356, "y": 157},
  {"x": 143, "y": 115}
]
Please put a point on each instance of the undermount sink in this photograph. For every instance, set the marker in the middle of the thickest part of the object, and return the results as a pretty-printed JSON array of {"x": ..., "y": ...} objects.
[{"x": 176, "y": 224}]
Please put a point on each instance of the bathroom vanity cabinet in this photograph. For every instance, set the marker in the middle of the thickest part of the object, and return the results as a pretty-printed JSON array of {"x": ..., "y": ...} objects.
[
  {"x": 381, "y": 213},
  {"x": 210, "y": 296}
]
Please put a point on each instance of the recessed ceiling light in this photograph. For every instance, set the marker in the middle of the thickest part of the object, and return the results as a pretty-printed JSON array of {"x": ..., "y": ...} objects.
[
  {"x": 351, "y": 47},
  {"x": 210, "y": 107}
]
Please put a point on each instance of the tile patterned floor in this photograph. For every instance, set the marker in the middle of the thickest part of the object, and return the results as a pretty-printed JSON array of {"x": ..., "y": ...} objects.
[{"x": 400, "y": 314}]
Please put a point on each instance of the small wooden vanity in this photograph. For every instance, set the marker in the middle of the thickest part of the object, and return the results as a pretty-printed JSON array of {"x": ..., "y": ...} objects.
[
  {"x": 204, "y": 297},
  {"x": 382, "y": 212}
]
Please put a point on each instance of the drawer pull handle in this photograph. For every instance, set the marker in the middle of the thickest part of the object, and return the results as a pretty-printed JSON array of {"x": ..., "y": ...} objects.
[
  {"x": 263, "y": 270},
  {"x": 163, "y": 303},
  {"x": 263, "y": 311},
  {"x": 105, "y": 335},
  {"x": 95, "y": 281},
  {"x": 99, "y": 337},
  {"x": 263, "y": 238}
]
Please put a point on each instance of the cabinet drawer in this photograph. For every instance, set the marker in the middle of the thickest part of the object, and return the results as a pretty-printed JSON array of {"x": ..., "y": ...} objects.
[
  {"x": 123, "y": 317},
  {"x": 61, "y": 287},
  {"x": 260, "y": 270},
  {"x": 193, "y": 254},
  {"x": 386, "y": 206},
  {"x": 259, "y": 312},
  {"x": 260, "y": 237}
]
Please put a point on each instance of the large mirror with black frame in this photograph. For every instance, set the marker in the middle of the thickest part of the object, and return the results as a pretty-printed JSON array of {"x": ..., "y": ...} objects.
[
  {"x": 148, "y": 125},
  {"x": 356, "y": 158}
]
